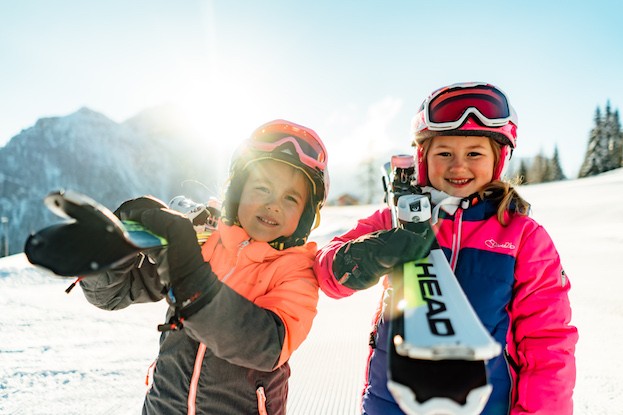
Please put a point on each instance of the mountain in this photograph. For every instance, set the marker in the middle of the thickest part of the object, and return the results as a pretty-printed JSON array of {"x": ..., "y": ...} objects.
[{"x": 87, "y": 152}]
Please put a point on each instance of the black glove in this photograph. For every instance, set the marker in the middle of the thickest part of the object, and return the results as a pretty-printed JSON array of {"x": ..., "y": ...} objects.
[
  {"x": 181, "y": 266},
  {"x": 361, "y": 262},
  {"x": 124, "y": 211}
]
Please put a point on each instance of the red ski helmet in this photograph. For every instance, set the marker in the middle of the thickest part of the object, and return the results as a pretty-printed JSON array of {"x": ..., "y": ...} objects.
[{"x": 464, "y": 109}]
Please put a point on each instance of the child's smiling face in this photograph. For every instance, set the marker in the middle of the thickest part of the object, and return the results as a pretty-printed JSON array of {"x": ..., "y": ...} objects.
[
  {"x": 272, "y": 201},
  {"x": 460, "y": 165}
]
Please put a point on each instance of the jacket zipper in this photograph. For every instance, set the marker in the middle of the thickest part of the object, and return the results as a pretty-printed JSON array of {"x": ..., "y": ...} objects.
[
  {"x": 194, "y": 380},
  {"x": 261, "y": 400},
  {"x": 242, "y": 245},
  {"x": 456, "y": 238},
  {"x": 192, "y": 395}
]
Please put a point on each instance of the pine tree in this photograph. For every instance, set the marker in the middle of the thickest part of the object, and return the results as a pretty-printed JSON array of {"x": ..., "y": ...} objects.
[
  {"x": 539, "y": 169},
  {"x": 555, "y": 172},
  {"x": 592, "y": 160},
  {"x": 605, "y": 144},
  {"x": 611, "y": 135},
  {"x": 616, "y": 140},
  {"x": 522, "y": 173}
]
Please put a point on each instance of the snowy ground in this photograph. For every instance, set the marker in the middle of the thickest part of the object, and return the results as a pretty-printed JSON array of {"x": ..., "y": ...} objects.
[{"x": 59, "y": 355}]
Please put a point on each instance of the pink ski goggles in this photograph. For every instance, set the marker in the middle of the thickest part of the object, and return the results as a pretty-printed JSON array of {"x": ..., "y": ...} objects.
[
  {"x": 308, "y": 146},
  {"x": 449, "y": 107}
]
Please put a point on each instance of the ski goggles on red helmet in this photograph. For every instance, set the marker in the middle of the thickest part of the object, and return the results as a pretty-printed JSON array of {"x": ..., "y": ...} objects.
[
  {"x": 279, "y": 135},
  {"x": 448, "y": 108}
]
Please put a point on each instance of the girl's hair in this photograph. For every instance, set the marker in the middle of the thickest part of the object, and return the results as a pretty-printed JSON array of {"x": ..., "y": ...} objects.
[
  {"x": 501, "y": 191},
  {"x": 504, "y": 193}
]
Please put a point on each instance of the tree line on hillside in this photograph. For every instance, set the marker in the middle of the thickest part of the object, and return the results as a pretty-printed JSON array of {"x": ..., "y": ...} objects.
[
  {"x": 604, "y": 153},
  {"x": 540, "y": 169}
]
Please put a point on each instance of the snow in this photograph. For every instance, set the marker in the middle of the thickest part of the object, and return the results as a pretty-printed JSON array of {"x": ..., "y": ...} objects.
[{"x": 60, "y": 355}]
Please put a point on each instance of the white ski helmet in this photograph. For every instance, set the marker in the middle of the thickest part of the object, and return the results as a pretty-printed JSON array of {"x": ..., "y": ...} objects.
[{"x": 464, "y": 109}]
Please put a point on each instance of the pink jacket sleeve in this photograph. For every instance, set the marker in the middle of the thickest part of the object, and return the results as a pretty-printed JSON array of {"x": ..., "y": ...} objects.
[
  {"x": 323, "y": 266},
  {"x": 541, "y": 341}
]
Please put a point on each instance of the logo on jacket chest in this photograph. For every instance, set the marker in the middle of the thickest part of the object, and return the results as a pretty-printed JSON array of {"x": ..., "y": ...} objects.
[{"x": 492, "y": 243}]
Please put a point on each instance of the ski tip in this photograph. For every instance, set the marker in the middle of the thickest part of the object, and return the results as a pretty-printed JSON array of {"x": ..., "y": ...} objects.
[
  {"x": 57, "y": 199},
  {"x": 73, "y": 205}
]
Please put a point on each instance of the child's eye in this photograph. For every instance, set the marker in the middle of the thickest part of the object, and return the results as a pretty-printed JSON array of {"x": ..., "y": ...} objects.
[
  {"x": 293, "y": 199},
  {"x": 474, "y": 154}
]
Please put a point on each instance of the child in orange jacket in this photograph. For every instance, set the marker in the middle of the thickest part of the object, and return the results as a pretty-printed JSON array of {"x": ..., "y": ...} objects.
[{"x": 245, "y": 300}]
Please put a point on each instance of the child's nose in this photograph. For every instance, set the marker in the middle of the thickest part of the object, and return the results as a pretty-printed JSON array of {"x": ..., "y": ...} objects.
[
  {"x": 273, "y": 205},
  {"x": 457, "y": 163}
]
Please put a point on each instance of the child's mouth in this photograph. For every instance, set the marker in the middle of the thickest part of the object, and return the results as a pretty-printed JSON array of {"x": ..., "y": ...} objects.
[
  {"x": 267, "y": 221},
  {"x": 458, "y": 182}
]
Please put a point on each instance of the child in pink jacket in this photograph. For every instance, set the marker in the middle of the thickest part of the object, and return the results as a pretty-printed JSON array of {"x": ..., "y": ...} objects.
[{"x": 506, "y": 263}]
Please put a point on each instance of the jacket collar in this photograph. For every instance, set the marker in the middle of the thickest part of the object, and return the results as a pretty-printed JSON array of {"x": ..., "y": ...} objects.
[
  {"x": 450, "y": 204},
  {"x": 233, "y": 238}
]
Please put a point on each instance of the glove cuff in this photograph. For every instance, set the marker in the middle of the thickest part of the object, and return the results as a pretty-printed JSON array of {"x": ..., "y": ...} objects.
[
  {"x": 347, "y": 271},
  {"x": 194, "y": 291}
]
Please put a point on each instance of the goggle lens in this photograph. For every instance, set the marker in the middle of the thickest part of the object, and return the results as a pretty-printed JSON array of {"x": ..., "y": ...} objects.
[
  {"x": 450, "y": 106},
  {"x": 278, "y": 139}
]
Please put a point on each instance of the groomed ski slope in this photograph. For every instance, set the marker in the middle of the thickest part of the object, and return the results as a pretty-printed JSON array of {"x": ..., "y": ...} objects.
[{"x": 59, "y": 355}]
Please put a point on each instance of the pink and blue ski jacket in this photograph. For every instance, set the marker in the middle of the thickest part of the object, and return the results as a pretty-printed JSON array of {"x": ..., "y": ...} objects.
[{"x": 514, "y": 280}]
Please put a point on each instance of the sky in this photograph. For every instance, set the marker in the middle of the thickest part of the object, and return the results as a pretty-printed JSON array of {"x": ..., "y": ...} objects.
[
  {"x": 354, "y": 70},
  {"x": 61, "y": 355}
]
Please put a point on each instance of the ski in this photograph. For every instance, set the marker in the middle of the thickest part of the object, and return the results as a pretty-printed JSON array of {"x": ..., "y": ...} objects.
[
  {"x": 93, "y": 239},
  {"x": 438, "y": 346}
]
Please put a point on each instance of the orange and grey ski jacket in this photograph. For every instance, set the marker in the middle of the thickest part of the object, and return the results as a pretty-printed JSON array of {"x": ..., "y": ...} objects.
[{"x": 232, "y": 355}]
